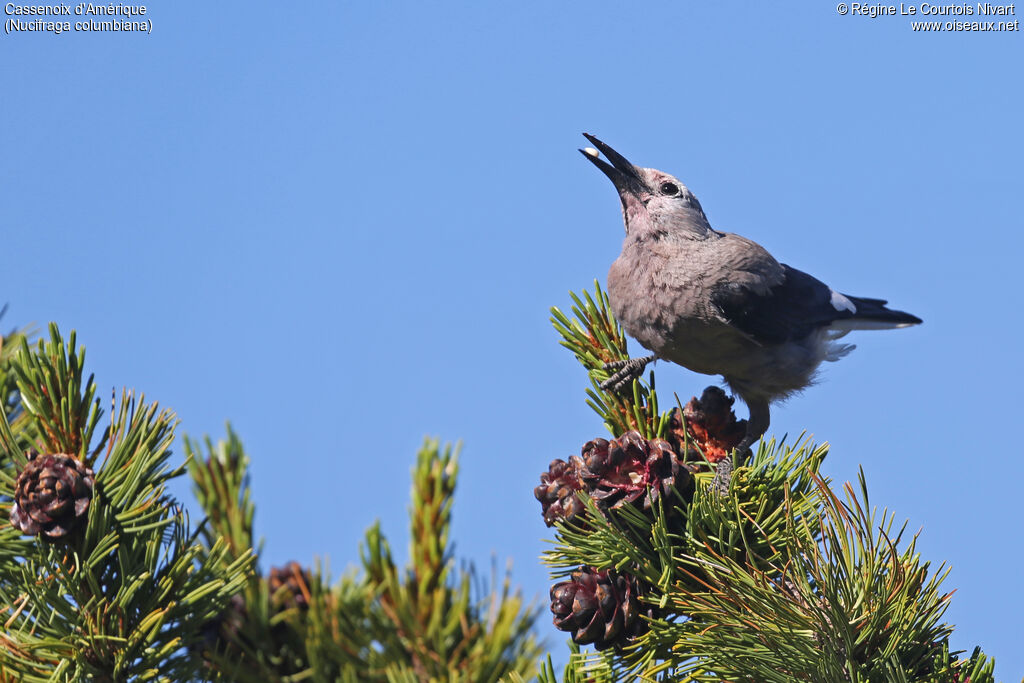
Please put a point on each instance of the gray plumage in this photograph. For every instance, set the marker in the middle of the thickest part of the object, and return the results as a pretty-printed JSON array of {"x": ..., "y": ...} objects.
[{"x": 718, "y": 303}]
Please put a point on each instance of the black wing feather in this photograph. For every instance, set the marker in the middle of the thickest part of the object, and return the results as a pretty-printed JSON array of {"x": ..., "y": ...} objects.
[{"x": 795, "y": 308}]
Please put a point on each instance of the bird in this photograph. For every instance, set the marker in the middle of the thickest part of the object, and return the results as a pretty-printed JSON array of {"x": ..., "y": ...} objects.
[{"x": 718, "y": 303}]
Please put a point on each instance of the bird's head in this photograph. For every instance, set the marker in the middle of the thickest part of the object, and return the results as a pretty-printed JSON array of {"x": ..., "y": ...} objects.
[{"x": 652, "y": 201}]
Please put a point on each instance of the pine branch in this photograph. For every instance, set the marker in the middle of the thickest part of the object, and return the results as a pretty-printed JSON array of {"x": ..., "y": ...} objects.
[
  {"x": 654, "y": 546},
  {"x": 433, "y": 491},
  {"x": 580, "y": 668},
  {"x": 220, "y": 482},
  {"x": 10, "y": 399},
  {"x": 55, "y": 393},
  {"x": 595, "y": 338},
  {"x": 430, "y": 622},
  {"x": 261, "y": 634},
  {"x": 782, "y": 581},
  {"x": 841, "y": 601},
  {"x": 110, "y": 587}
]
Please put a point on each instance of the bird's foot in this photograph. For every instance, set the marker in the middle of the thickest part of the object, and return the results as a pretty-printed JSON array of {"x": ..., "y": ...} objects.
[
  {"x": 723, "y": 476},
  {"x": 625, "y": 372},
  {"x": 724, "y": 468},
  {"x": 757, "y": 425}
]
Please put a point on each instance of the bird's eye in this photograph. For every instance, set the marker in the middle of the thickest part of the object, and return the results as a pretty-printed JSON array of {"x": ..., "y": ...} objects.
[{"x": 669, "y": 188}]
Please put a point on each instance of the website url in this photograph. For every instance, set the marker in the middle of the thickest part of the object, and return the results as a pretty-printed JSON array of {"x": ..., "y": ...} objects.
[{"x": 940, "y": 26}]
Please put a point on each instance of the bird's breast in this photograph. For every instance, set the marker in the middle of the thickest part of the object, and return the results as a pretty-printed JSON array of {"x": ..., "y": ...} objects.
[{"x": 665, "y": 306}]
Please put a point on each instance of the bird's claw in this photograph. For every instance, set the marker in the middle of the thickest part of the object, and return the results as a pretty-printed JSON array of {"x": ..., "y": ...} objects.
[
  {"x": 626, "y": 371},
  {"x": 724, "y": 468},
  {"x": 723, "y": 476}
]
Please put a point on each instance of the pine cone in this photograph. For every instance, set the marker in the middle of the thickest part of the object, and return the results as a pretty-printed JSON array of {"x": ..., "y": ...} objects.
[
  {"x": 557, "y": 490},
  {"x": 52, "y": 495},
  {"x": 710, "y": 424},
  {"x": 289, "y": 587},
  {"x": 620, "y": 471},
  {"x": 223, "y": 628},
  {"x": 599, "y": 607}
]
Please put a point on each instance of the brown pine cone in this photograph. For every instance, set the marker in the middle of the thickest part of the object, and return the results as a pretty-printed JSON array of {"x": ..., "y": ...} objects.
[
  {"x": 599, "y": 607},
  {"x": 629, "y": 468},
  {"x": 557, "y": 490},
  {"x": 289, "y": 587},
  {"x": 710, "y": 424},
  {"x": 52, "y": 495}
]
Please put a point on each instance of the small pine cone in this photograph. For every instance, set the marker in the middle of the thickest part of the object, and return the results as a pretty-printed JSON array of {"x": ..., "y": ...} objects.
[
  {"x": 620, "y": 471},
  {"x": 710, "y": 424},
  {"x": 51, "y": 495},
  {"x": 557, "y": 490},
  {"x": 223, "y": 628},
  {"x": 599, "y": 607},
  {"x": 289, "y": 587}
]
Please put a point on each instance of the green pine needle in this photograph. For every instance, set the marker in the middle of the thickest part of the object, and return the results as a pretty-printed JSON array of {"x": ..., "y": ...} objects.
[{"x": 595, "y": 338}]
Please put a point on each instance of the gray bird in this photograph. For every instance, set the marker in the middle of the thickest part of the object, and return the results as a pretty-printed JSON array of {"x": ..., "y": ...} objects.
[{"x": 718, "y": 303}]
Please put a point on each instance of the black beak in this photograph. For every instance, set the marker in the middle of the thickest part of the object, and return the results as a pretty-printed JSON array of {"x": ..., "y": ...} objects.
[{"x": 622, "y": 173}]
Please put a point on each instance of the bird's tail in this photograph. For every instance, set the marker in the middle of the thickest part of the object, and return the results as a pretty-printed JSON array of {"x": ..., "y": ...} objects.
[{"x": 872, "y": 314}]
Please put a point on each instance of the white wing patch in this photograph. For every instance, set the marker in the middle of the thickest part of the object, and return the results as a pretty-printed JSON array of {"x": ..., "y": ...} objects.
[{"x": 841, "y": 303}]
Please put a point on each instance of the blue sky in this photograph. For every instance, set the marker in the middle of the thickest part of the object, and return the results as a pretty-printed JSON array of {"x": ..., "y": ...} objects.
[{"x": 341, "y": 227}]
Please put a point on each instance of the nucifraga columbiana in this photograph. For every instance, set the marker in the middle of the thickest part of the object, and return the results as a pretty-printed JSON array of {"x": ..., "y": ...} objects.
[{"x": 718, "y": 303}]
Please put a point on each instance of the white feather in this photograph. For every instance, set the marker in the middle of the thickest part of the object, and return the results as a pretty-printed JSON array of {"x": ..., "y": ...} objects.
[
  {"x": 841, "y": 303},
  {"x": 831, "y": 333},
  {"x": 837, "y": 351},
  {"x": 841, "y": 327}
]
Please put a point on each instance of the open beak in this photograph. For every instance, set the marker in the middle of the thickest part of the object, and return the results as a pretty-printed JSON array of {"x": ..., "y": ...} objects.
[{"x": 623, "y": 174}]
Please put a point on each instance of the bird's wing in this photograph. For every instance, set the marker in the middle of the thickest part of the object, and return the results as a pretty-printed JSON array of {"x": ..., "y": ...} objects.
[{"x": 792, "y": 307}]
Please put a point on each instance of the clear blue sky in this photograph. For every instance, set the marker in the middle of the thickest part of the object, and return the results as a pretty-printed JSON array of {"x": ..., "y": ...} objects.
[{"x": 341, "y": 225}]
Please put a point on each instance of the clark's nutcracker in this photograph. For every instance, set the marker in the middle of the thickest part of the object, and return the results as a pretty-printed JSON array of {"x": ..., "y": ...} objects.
[{"x": 718, "y": 303}]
